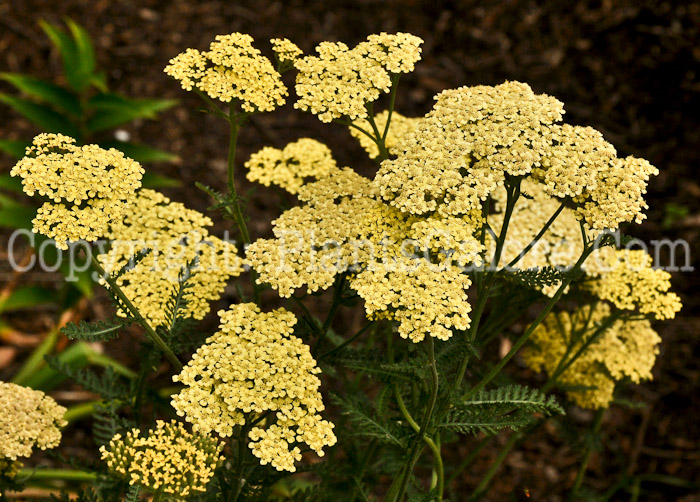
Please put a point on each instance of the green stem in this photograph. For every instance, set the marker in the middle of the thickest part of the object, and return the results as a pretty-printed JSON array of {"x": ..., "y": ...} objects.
[
  {"x": 235, "y": 122},
  {"x": 537, "y": 238},
  {"x": 59, "y": 474},
  {"x": 392, "y": 101},
  {"x": 239, "y": 462},
  {"x": 347, "y": 342},
  {"x": 420, "y": 437},
  {"x": 150, "y": 332},
  {"x": 483, "y": 294},
  {"x": 337, "y": 295},
  {"x": 526, "y": 335},
  {"x": 587, "y": 455},
  {"x": 383, "y": 153}
]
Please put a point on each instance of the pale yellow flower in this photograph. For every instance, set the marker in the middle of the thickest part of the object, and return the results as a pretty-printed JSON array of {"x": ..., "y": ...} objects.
[
  {"x": 168, "y": 459},
  {"x": 253, "y": 367},
  {"x": 29, "y": 419}
]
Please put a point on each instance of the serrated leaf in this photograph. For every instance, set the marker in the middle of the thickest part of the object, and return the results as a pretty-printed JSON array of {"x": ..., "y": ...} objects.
[
  {"x": 108, "y": 384},
  {"x": 538, "y": 278},
  {"x": 471, "y": 422},
  {"x": 366, "y": 424},
  {"x": 515, "y": 396},
  {"x": 367, "y": 361},
  {"x": 46, "y": 91},
  {"x": 95, "y": 331},
  {"x": 13, "y": 147},
  {"x": 140, "y": 153}
]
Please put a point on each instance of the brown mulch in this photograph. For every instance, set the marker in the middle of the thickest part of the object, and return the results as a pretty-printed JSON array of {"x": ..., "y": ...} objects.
[{"x": 629, "y": 68}]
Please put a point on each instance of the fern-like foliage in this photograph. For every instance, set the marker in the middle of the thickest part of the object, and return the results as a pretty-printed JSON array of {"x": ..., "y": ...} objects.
[
  {"x": 178, "y": 322},
  {"x": 494, "y": 410},
  {"x": 538, "y": 278},
  {"x": 367, "y": 424},
  {"x": 131, "y": 263},
  {"x": 132, "y": 495},
  {"x": 97, "y": 331},
  {"x": 108, "y": 384},
  {"x": 370, "y": 362}
]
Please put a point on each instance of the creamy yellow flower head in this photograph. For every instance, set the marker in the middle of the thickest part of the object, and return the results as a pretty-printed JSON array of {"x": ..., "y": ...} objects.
[
  {"x": 88, "y": 187},
  {"x": 168, "y": 459},
  {"x": 340, "y": 81},
  {"x": 405, "y": 267},
  {"x": 627, "y": 349},
  {"x": 29, "y": 419},
  {"x": 232, "y": 69},
  {"x": 176, "y": 236},
  {"x": 286, "y": 50},
  {"x": 398, "y": 128},
  {"x": 253, "y": 367},
  {"x": 627, "y": 279},
  {"x": 475, "y": 138},
  {"x": 297, "y": 163},
  {"x": 461, "y": 150}
]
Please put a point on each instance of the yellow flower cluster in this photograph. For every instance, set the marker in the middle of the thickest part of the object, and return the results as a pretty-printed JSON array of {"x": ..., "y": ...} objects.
[
  {"x": 474, "y": 137},
  {"x": 340, "y": 81},
  {"x": 8, "y": 470},
  {"x": 232, "y": 69},
  {"x": 29, "y": 419},
  {"x": 289, "y": 168},
  {"x": 627, "y": 279},
  {"x": 398, "y": 128},
  {"x": 398, "y": 264},
  {"x": 286, "y": 50},
  {"x": 175, "y": 237},
  {"x": 253, "y": 367},
  {"x": 168, "y": 460},
  {"x": 459, "y": 153},
  {"x": 87, "y": 186},
  {"x": 626, "y": 349}
]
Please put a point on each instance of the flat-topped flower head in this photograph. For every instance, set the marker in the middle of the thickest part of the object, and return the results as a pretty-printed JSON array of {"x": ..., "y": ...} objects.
[
  {"x": 289, "y": 168},
  {"x": 175, "y": 236},
  {"x": 232, "y": 69},
  {"x": 460, "y": 152},
  {"x": 405, "y": 267},
  {"x": 627, "y": 279},
  {"x": 286, "y": 50},
  {"x": 475, "y": 138},
  {"x": 168, "y": 459},
  {"x": 398, "y": 128},
  {"x": 626, "y": 349},
  {"x": 339, "y": 82},
  {"x": 29, "y": 419},
  {"x": 252, "y": 369},
  {"x": 87, "y": 186}
]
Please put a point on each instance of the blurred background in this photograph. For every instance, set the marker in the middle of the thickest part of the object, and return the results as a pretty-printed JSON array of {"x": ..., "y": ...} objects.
[{"x": 628, "y": 68}]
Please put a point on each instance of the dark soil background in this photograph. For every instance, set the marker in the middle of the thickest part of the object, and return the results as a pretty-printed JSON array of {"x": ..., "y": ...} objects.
[{"x": 629, "y": 68}]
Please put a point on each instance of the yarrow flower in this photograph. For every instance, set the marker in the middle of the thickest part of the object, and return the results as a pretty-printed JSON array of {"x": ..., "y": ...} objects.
[
  {"x": 626, "y": 349},
  {"x": 474, "y": 138},
  {"x": 399, "y": 126},
  {"x": 344, "y": 227},
  {"x": 253, "y": 370},
  {"x": 232, "y": 69},
  {"x": 88, "y": 187},
  {"x": 175, "y": 237},
  {"x": 627, "y": 279},
  {"x": 297, "y": 163},
  {"x": 168, "y": 459},
  {"x": 340, "y": 81},
  {"x": 29, "y": 419},
  {"x": 286, "y": 50}
]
